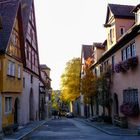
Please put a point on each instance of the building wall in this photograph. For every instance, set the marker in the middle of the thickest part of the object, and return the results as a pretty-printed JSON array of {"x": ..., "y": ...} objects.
[
  {"x": 98, "y": 54},
  {"x": 10, "y": 84},
  {"x": 9, "y": 87},
  {"x": 126, "y": 23},
  {"x": 0, "y": 113},
  {"x": 25, "y": 98},
  {"x": 8, "y": 117},
  {"x": 129, "y": 79}
]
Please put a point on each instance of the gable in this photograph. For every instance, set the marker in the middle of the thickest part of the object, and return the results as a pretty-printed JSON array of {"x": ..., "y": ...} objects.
[
  {"x": 30, "y": 36},
  {"x": 14, "y": 45},
  {"x": 119, "y": 11},
  {"x": 7, "y": 18}
]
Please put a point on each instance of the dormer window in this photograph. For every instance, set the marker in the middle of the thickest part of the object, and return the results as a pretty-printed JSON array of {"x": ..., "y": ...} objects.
[
  {"x": 111, "y": 35},
  {"x": 136, "y": 10},
  {"x": 122, "y": 30},
  {"x": 137, "y": 16}
]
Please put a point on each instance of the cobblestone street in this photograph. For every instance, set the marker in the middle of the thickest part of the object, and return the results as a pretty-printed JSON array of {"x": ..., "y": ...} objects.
[{"x": 70, "y": 129}]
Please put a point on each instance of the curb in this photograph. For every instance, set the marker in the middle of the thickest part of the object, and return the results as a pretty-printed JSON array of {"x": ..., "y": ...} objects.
[
  {"x": 105, "y": 131},
  {"x": 19, "y": 138}
]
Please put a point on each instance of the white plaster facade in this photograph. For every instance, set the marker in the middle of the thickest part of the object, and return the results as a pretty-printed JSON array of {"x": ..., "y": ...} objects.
[
  {"x": 29, "y": 109},
  {"x": 82, "y": 105}
]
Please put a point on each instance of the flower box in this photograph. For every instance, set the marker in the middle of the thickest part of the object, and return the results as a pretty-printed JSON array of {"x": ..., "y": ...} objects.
[
  {"x": 126, "y": 65},
  {"x": 129, "y": 109},
  {"x": 133, "y": 62}
]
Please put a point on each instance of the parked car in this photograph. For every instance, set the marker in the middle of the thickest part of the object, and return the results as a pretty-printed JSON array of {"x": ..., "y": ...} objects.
[{"x": 69, "y": 115}]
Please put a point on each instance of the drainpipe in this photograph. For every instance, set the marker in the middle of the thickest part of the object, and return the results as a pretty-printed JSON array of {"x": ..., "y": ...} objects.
[
  {"x": 1, "y": 134},
  {"x": 39, "y": 102}
]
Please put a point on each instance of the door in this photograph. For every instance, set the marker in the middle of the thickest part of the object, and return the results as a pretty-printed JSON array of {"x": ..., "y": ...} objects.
[
  {"x": 16, "y": 110},
  {"x": 116, "y": 106}
]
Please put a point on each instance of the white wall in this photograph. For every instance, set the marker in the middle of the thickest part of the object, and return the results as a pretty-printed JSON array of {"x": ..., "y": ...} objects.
[
  {"x": 82, "y": 105},
  {"x": 25, "y": 97}
]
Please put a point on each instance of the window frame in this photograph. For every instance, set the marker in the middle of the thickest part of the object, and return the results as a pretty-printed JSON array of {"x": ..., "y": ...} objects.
[
  {"x": 11, "y": 68},
  {"x": 19, "y": 71},
  {"x": 8, "y": 104},
  {"x": 130, "y": 96},
  {"x": 122, "y": 30}
]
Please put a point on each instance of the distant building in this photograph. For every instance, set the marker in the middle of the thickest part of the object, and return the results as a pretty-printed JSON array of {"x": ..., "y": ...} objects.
[
  {"x": 45, "y": 92},
  {"x": 86, "y": 56}
]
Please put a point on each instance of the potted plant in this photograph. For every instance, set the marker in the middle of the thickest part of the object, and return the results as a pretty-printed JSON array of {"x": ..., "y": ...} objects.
[{"x": 129, "y": 109}]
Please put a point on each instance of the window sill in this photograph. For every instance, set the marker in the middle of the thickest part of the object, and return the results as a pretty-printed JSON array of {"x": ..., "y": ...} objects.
[
  {"x": 10, "y": 76},
  {"x": 7, "y": 113}
]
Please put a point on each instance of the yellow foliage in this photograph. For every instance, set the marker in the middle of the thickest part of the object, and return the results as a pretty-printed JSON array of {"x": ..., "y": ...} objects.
[
  {"x": 88, "y": 84},
  {"x": 70, "y": 80}
]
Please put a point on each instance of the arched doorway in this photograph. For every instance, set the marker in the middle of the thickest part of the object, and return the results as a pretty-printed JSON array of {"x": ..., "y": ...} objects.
[
  {"x": 16, "y": 111},
  {"x": 31, "y": 106},
  {"x": 116, "y": 105}
]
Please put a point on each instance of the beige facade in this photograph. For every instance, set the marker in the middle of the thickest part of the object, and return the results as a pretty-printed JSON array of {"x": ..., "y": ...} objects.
[{"x": 123, "y": 41}]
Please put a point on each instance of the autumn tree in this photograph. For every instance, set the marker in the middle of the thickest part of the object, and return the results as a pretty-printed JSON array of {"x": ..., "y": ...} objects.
[
  {"x": 70, "y": 80},
  {"x": 103, "y": 86},
  {"x": 54, "y": 101},
  {"x": 88, "y": 87}
]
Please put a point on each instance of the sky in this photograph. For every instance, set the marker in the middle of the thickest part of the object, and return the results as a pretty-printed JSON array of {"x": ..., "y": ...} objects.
[{"x": 64, "y": 25}]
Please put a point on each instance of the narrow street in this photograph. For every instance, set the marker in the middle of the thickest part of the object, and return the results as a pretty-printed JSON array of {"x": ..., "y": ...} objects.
[{"x": 71, "y": 129}]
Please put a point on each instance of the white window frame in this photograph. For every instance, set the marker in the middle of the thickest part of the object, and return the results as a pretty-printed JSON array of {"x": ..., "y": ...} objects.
[
  {"x": 128, "y": 49},
  {"x": 133, "y": 48},
  {"x": 19, "y": 72},
  {"x": 8, "y": 104},
  {"x": 124, "y": 57},
  {"x": 11, "y": 68}
]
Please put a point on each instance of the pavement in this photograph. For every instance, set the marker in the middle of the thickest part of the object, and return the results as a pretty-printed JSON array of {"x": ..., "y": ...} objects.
[
  {"x": 110, "y": 129},
  {"x": 24, "y": 130},
  {"x": 106, "y": 128}
]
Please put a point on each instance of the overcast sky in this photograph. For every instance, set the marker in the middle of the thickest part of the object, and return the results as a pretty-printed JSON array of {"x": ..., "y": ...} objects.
[{"x": 64, "y": 25}]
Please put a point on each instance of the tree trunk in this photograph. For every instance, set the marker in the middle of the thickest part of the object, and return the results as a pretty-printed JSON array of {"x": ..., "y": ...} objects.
[
  {"x": 97, "y": 106},
  {"x": 91, "y": 105}
]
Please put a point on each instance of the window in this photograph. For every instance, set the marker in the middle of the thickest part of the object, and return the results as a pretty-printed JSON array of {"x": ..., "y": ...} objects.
[
  {"x": 8, "y": 104},
  {"x": 11, "y": 68},
  {"x": 113, "y": 62},
  {"x": 96, "y": 71},
  {"x": 31, "y": 78},
  {"x": 130, "y": 96},
  {"x": 122, "y": 30},
  {"x": 128, "y": 52},
  {"x": 124, "y": 54},
  {"x": 133, "y": 49},
  {"x": 23, "y": 82},
  {"x": 111, "y": 35},
  {"x": 101, "y": 69},
  {"x": 19, "y": 71}
]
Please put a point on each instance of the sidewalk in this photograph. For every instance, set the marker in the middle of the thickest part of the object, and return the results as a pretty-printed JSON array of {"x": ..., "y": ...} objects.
[
  {"x": 110, "y": 129},
  {"x": 22, "y": 132}
]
